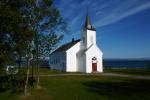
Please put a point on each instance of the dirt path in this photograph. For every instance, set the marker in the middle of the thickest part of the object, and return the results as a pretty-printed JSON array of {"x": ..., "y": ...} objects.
[{"x": 100, "y": 74}]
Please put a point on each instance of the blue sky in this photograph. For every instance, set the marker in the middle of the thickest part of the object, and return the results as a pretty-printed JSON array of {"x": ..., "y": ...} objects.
[{"x": 123, "y": 26}]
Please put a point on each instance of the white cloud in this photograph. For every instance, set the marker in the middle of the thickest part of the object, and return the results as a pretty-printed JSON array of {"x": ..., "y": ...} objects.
[
  {"x": 106, "y": 12},
  {"x": 99, "y": 13},
  {"x": 75, "y": 20},
  {"x": 123, "y": 11}
]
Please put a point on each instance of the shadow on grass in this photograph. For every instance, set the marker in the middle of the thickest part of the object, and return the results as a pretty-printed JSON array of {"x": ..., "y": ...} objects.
[
  {"x": 121, "y": 90},
  {"x": 15, "y": 83}
]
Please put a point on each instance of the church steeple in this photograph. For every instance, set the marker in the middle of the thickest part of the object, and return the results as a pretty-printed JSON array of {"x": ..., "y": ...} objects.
[
  {"x": 88, "y": 23},
  {"x": 88, "y": 35}
]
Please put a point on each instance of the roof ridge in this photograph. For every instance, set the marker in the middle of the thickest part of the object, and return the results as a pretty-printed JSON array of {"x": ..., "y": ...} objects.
[{"x": 66, "y": 46}]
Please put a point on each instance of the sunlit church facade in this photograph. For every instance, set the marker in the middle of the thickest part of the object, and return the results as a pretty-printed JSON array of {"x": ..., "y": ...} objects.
[{"x": 81, "y": 55}]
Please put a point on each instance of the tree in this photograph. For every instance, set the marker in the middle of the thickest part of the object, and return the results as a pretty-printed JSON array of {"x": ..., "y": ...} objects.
[
  {"x": 44, "y": 18},
  {"x": 14, "y": 31},
  {"x": 49, "y": 43},
  {"x": 23, "y": 23},
  {"x": 9, "y": 18},
  {"x": 29, "y": 57},
  {"x": 15, "y": 35}
]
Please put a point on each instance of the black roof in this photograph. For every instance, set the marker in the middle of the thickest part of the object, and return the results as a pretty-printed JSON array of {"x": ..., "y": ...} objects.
[{"x": 66, "y": 46}]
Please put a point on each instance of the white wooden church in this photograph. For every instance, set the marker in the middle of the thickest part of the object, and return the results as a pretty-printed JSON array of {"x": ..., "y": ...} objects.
[{"x": 79, "y": 55}]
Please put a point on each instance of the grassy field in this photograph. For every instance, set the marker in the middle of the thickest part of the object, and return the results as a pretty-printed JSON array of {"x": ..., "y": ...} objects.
[
  {"x": 85, "y": 88},
  {"x": 47, "y": 71},
  {"x": 129, "y": 71},
  {"x": 90, "y": 87}
]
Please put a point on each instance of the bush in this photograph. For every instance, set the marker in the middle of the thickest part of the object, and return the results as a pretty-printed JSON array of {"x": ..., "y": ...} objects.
[{"x": 14, "y": 83}]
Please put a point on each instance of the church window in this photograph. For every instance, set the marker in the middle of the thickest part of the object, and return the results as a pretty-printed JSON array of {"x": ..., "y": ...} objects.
[{"x": 94, "y": 60}]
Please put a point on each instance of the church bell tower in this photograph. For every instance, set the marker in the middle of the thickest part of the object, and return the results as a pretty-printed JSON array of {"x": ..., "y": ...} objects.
[{"x": 88, "y": 36}]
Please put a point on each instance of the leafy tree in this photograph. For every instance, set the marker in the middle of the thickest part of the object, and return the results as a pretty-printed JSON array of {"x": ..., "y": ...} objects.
[
  {"x": 8, "y": 22},
  {"x": 29, "y": 57},
  {"x": 23, "y": 23},
  {"x": 44, "y": 18},
  {"x": 49, "y": 43},
  {"x": 15, "y": 35},
  {"x": 14, "y": 31}
]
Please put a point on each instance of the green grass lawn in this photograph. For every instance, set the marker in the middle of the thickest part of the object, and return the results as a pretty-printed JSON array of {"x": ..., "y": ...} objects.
[
  {"x": 129, "y": 71},
  {"x": 90, "y": 87},
  {"x": 47, "y": 71},
  {"x": 85, "y": 88}
]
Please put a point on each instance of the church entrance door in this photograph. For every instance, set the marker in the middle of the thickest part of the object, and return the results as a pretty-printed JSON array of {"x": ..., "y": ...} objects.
[
  {"x": 94, "y": 67},
  {"x": 94, "y": 64}
]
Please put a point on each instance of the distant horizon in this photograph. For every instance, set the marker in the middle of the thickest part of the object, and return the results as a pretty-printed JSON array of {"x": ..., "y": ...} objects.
[{"x": 126, "y": 58}]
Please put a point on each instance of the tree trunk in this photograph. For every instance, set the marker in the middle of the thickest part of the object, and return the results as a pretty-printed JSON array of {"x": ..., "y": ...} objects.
[
  {"x": 32, "y": 78},
  {"x": 37, "y": 60},
  {"x": 19, "y": 62},
  {"x": 49, "y": 62},
  {"x": 27, "y": 79},
  {"x": 38, "y": 78}
]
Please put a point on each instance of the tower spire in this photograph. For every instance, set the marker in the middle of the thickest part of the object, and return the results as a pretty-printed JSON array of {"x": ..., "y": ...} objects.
[{"x": 88, "y": 22}]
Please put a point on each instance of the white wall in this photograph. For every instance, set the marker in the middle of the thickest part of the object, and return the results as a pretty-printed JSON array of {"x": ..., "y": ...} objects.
[
  {"x": 94, "y": 51},
  {"x": 81, "y": 61},
  {"x": 71, "y": 58},
  {"x": 90, "y": 50},
  {"x": 90, "y": 34},
  {"x": 89, "y": 37}
]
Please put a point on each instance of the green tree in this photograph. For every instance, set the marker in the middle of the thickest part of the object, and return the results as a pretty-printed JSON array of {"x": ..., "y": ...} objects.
[
  {"x": 9, "y": 20},
  {"x": 15, "y": 35},
  {"x": 44, "y": 18},
  {"x": 23, "y": 23},
  {"x": 49, "y": 43},
  {"x": 29, "y": 57},
  {"x": 14, "y": 30}
]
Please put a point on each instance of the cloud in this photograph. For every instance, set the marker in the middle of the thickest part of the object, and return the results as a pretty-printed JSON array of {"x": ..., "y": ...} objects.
[
  {"x": 75, "y": 20},
  {"x": 101, "y": 11},
  {"x": 120, "y": 13}
]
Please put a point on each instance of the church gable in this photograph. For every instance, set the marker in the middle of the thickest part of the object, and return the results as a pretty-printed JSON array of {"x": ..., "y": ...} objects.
[{"x": 94, "y": 49}]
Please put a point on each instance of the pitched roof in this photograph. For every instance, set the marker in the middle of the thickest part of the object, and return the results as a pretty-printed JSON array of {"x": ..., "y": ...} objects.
[{"x": 66, "y": 46}]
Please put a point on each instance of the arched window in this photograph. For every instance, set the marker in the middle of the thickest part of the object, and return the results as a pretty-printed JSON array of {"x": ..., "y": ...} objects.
[{"x": 94, "y": 60}]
